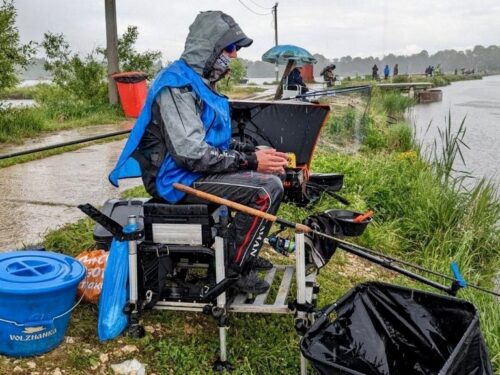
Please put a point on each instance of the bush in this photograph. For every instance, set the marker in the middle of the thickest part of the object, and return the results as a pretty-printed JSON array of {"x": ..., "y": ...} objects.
[
  {"x": 396, "y": 104},
  {"x": 62, "y": 105},
  {"x": 440, "y": 80},
  {"x": 373, "y": 137},
  {"x": 79, "y": 79},
  {"x": 400, "y": 138},
  {"x": 402, "y": 79},
  {"x": 344, "y": 122},
  {"x": 16, "y": 123}
]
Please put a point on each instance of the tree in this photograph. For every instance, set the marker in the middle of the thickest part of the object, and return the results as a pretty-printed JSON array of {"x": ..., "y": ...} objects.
[
  {"x": 131, "y": 60},
  {"x": 12, "y": 52},
  {"x": 238, "y": 70},
  {"x": 83, "y": 78}
]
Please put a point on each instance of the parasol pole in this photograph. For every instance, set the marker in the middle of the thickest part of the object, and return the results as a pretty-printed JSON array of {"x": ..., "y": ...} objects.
[{"x": 279, "y": 89}]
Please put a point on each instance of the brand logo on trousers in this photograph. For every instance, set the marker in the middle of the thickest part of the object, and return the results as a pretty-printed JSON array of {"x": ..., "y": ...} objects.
[{"x": 258, "y": 241}]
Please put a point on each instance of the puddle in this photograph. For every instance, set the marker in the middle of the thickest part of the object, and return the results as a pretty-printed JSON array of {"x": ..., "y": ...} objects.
[{"x": 43, "y": 194}]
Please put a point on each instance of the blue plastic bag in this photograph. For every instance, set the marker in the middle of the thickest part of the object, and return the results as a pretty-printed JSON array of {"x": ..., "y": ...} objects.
[{"x": 114, "y": 295}]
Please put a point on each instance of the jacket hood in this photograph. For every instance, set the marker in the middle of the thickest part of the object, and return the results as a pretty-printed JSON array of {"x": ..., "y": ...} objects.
[{"x": 209, "y": 34}]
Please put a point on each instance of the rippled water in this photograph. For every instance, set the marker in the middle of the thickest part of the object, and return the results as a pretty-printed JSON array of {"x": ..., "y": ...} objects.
[{"x": 478, "y": 102}]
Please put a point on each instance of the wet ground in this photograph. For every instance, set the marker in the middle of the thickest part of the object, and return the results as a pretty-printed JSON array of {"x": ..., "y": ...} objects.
[{"x": 42, "y": 195}]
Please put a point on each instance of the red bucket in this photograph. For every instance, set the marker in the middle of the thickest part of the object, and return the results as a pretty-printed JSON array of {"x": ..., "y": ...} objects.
[{"x": 132, "y": 89}]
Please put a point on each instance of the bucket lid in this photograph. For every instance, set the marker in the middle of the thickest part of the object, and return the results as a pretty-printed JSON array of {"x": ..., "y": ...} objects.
[{"x": 32, "y": 272}]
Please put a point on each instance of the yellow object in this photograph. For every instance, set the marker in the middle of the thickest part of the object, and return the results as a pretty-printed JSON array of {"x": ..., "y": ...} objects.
[{"x": 292, "y": 160}]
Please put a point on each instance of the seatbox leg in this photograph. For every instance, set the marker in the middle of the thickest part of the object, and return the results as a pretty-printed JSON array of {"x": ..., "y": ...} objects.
[
  {"x": 221, "y": 364},
  {"x": 135, "y": 329},
  {"x": 300, "y": 272}
]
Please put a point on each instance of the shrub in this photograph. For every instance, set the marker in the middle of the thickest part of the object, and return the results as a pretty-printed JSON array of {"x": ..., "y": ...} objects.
[
  {"x": 402, "y": 79},
  {"x": 396, "y": 104},
  {"x": 81, "y": 79},
  {"x": 373, "y": 137},
  {"x": 400, "y": 138},
  {"x": 440, "y": 80},
  {"x": 16, "y": 123}
]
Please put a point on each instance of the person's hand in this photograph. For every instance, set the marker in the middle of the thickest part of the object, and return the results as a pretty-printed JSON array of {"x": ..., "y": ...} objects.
[{"x": 271, "y": 161}]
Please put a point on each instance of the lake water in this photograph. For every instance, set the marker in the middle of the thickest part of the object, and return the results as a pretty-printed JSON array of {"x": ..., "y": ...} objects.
[{"x": 477, "y": 101}]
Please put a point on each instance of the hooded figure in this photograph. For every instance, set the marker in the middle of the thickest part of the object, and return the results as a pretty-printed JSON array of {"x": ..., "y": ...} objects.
[{"x": 183, "y": 135}]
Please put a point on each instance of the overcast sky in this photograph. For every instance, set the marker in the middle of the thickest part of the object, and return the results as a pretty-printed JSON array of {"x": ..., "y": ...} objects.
[{"x": 334, "y": 28}]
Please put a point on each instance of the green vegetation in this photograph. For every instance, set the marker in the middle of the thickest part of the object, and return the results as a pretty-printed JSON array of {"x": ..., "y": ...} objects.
[
  {"x": 131, "y": 60},
  {"x": 17, "y": 123},
  {"x": 14, "y": 93},
  {"x": 13, "y": 53},
  {"x": 422, "y": 215}
]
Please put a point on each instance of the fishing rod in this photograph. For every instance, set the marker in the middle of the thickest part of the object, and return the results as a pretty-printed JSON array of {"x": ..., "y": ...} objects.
[
  {"x": 64, "y": 144},
  {"x": 330, "y": 92},
  {"x": 349, "y": 247}
]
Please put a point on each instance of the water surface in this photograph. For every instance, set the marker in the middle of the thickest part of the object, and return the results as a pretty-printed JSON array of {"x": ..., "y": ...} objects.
[{"x": 477, "y": 101}]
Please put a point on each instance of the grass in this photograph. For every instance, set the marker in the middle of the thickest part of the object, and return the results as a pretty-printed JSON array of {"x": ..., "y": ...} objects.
[
  {"x": 420, "y": 216},
  {"x": 17, "y": 93},
  {"x": 242, "y": 92},
  {"x": 19, "y": 123},
  {"x": 43, "y": 154}
]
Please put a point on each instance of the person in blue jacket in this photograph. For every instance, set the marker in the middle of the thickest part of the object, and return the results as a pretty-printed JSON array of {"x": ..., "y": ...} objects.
[
  {"x": 386, "y": 71},
  {"x": 183, "y": 135}
]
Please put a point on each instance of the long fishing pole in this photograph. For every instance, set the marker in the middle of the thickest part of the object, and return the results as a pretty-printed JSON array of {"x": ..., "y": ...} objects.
[
  {"x": 64, "y": 144},
  {"x": 344, "y": 245},
  {"x": 328, "y": 92}
]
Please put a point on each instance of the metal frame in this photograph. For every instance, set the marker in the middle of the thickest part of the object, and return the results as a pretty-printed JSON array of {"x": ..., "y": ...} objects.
[{"x": 241, "y": 303}]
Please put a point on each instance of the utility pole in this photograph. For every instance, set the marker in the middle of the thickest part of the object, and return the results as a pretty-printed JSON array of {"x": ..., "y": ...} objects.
[
  {"x": 111, "y": 48},
  {"x": 275, "y": 12}
]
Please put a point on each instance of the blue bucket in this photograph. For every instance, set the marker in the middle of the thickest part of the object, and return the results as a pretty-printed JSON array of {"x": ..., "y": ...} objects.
[{"x": 37, "y": 295}]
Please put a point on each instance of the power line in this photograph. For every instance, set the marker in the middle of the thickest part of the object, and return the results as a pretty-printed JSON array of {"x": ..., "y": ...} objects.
[
  {"x": 260, "y": 6},
  {"x": 253, "y": 11}
]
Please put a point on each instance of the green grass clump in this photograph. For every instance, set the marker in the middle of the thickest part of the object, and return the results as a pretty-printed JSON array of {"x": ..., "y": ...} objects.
[
  {"x": 395, "y": 104},
  {"x": 17, "y": 93},
  {"x": 18, "y": 123}
]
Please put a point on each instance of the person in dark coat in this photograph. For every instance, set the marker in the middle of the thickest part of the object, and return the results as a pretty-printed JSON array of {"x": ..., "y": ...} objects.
[
  {"x": 329, "y": 75},
  {"x": 294, "y": 80},
  {"x": 395, "y": 72},
  {"x": 375, "y": 72}
]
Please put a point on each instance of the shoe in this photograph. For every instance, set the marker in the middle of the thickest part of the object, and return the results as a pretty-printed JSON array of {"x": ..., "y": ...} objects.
[
  {"x": 262, "y": 264},
  {"x": 251, "y": 284}
]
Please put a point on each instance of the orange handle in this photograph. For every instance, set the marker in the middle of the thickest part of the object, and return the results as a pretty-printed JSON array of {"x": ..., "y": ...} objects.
[
  {"x": 363, "y": 217},
  {"x": 239, "y": 207}
]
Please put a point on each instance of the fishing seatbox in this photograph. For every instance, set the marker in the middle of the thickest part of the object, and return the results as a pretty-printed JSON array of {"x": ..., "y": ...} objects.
[
  {"x": 188, "y": 224},
  {"x": 119, "y": 210}
]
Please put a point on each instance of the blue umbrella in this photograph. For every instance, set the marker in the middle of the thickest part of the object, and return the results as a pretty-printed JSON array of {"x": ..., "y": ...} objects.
[{"x": 283, "y": 53}]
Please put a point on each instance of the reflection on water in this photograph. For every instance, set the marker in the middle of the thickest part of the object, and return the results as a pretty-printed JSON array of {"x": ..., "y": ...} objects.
[
  {"x": 41, "y": 195},
  {"x": 478, "y": 102}
]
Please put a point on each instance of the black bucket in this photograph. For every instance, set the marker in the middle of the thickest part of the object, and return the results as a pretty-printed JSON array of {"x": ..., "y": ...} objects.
[
  {"x": 345, "y": 220},
  {"x": 382, "y": 329}
]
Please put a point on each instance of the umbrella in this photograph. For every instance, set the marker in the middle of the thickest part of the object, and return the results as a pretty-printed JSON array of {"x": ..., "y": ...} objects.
[
  {"x": 328, "y": 67},
  {"x": 287, "y": 54},
  {"x": 282, "y": 53}
]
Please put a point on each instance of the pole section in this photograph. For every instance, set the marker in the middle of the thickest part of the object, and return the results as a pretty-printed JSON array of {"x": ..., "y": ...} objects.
[
  {"x": 111, "y": 48},
  {"x": 275, "y": 12}
]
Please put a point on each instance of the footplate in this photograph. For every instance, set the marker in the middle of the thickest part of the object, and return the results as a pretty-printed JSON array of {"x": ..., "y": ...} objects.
[{"x": 283, "y": 290}]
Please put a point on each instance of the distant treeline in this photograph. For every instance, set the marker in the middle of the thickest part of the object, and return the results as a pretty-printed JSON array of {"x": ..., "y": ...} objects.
[{"x": 479, "y": 59}]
